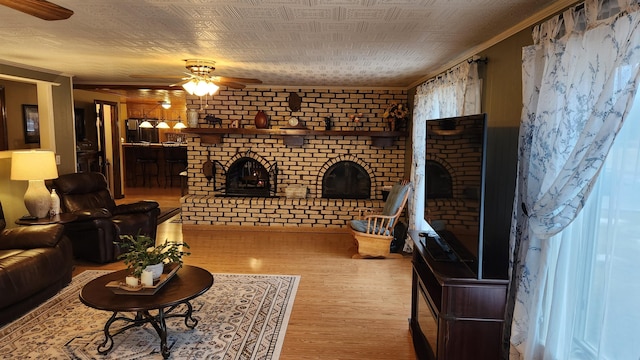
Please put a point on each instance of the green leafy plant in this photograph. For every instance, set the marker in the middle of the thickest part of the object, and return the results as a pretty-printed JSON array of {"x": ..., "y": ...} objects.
[{"x": 141, "y": 251}]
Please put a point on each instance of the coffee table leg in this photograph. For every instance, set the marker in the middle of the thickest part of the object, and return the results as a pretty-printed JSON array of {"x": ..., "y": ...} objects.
[
  {"x": 161, "y": 328},
  {"x": 158, "y": 322},
  {"x": 107, "y": 337},
  {"x": 188, "y": 316}
]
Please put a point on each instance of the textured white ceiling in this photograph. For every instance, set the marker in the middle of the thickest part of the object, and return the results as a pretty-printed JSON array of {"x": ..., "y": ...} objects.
[{"x": 390, "y": 43}]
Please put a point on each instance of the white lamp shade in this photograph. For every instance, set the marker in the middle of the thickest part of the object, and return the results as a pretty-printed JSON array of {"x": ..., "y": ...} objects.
[
  {"x": 33, "y": 165},
  {"x": 163, "y": 125},
  {"x": 213, "y": 88},
  {"x": 179, "y": 125},
  {"x": 190, "y": 86},
  {"x": 202, "y": 88},
  {"x": 146, "y": 125}
]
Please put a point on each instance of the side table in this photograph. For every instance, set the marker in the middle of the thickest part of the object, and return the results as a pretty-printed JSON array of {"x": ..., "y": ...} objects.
[{"x": 62, "y": 218}]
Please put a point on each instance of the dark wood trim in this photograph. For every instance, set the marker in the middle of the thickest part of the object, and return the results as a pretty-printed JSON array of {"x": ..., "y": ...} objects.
[
  {"x": 4, "y": 142},
  {"x": 103, "y": 87},
  {"x": 298, "y": 132},
  {"x": 294, "y": 137}
]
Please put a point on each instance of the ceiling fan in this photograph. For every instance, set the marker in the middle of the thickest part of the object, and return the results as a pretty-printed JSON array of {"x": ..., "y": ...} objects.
[
  {"x": 39, "y": 8},
  {"x": 200, "y": 73}
]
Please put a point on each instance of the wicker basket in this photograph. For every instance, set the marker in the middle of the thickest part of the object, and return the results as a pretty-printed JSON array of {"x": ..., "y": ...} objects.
[{"x": 296, "y": 191}]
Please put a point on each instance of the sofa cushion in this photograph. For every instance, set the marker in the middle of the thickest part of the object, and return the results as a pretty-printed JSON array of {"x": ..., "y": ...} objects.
[{"x": 24, "y": 273}]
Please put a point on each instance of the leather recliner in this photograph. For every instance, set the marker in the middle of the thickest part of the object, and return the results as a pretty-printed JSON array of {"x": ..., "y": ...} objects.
[
  {"x": 95, "y": 234},
  {"x": 35, "y": 263}
]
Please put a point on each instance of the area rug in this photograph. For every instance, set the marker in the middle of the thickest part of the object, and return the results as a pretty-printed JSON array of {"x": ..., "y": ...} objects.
[{"x": 240, "y": 317}]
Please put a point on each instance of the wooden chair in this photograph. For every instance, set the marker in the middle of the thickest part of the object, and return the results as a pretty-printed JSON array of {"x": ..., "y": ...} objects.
[{"x": 373, "y": 230}]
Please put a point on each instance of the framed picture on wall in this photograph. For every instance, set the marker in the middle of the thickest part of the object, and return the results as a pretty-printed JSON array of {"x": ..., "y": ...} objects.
[{"x": 31, "y": 124}]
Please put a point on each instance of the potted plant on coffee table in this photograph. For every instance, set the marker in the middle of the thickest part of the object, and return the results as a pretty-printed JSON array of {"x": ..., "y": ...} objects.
[{"x": 141, "y": 253}]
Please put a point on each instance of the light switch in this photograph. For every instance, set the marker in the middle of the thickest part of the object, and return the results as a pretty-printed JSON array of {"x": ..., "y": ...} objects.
[{"x": 57, "y": 159}]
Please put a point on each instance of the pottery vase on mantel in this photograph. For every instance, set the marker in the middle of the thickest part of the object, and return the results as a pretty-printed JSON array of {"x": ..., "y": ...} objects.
[
  {"x": 262, "y": 122},
  {"x": 192, "y": 118}
]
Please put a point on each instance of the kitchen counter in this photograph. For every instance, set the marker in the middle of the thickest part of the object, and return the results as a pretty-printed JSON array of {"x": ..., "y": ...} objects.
[{"x": 171, "y": 160}]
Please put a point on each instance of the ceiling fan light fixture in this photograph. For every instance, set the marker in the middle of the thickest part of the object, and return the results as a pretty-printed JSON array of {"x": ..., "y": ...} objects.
[
  {"x": 200, "y": 67},
  {"x": 212, "y": 88},
  {"x": 190, "y": 86},
  {"x": 166, "y": 104},
  {"x": 202, "y": 88}
]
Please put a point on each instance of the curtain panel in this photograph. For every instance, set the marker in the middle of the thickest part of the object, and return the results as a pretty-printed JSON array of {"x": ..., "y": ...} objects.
[
  {"x": 579, "y": 81},
  {"x": 454, "y": 93}
]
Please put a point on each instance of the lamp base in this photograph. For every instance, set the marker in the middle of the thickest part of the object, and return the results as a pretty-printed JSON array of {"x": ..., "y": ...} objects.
[{"x": 37, "y": 199}]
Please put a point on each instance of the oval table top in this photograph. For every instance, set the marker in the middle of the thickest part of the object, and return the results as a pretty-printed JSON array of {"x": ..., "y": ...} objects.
[{"x": 188, "y": 283}]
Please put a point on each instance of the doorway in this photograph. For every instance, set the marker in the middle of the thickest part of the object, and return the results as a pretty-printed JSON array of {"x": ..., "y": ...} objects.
[{"x": 108, "y": 145}]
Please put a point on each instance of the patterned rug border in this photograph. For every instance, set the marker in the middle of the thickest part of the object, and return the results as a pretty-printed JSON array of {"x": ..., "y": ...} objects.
[{"x": 21, "y": 325}]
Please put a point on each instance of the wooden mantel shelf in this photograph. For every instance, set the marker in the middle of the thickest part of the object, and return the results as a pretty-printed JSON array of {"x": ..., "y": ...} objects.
[{"x": 294, "y": 136}]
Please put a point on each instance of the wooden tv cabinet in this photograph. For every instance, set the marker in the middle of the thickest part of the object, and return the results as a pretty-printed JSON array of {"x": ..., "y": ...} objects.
[{"x": 453, "y": 314}]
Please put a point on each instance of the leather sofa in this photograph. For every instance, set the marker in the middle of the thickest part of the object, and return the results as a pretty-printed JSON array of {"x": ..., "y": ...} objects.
[
  {"x": 95, "y": 234},
  {"x": 35, "y": 263}
]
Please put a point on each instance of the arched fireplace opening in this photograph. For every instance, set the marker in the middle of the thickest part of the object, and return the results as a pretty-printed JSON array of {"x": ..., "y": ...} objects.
[
  {"x": 439, "y": 184},
  {"x": 346, "y": 180},
  {"x": 247, "y": 177}
]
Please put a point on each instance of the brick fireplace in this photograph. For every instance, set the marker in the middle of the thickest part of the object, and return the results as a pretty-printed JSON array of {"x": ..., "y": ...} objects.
[{"x": 300, "y": 164}]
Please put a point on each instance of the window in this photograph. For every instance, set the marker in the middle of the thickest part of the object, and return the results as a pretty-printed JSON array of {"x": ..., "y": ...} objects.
[{"x": 605, "y": 244}]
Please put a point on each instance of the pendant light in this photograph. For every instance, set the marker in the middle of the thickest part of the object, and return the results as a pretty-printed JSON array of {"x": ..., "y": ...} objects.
[
  {"x": 179, "y": 125},
  {"x": 162, "y": 125}
]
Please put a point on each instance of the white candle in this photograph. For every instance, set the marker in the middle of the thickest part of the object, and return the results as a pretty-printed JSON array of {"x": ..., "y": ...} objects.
[
  {"x": 147, "y": 278},
  {"x": 131, "y": 281}
]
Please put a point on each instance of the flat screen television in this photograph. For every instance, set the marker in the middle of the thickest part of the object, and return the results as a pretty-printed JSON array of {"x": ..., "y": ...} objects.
[{"x": 469, "y": 186}]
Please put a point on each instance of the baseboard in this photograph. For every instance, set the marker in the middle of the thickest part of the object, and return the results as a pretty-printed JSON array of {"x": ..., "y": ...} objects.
[{"x": 308, "y": 229}]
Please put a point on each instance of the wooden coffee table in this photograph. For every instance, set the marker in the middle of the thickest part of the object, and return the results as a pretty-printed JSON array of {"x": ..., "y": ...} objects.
[{"x": 188, "y": 283}]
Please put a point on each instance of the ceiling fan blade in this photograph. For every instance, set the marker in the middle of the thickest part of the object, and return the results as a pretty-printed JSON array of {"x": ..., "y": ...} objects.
[
  {"x": 230, "y": 84},
  {"x": 184, "y": 81},
  {"x": 39, "y": 8},
  {"x": 237, "y": 80}
]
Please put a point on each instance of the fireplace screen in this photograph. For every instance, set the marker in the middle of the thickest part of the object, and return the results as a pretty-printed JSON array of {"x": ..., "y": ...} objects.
[
  {"x": 247, "y": 177},
  {"x": 346, "y": 180}
]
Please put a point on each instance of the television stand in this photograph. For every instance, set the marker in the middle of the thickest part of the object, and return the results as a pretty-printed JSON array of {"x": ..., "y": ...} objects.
[
  {"x": 454, "y": 315},
  {"x": 438, "y": 250}
]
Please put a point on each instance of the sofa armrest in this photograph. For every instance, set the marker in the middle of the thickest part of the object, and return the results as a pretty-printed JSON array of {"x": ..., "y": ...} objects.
[
  {"x": 31, "y": 237},
  {"x": 137, "y": 207},
  {"x": 91, "y": 214}
]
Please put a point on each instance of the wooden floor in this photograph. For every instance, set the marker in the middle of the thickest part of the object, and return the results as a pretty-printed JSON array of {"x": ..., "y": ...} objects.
[{"x": 344, "y": 308}]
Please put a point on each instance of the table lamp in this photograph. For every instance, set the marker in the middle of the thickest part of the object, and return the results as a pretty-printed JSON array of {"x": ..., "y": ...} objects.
[{"x": 35, "y": 166}]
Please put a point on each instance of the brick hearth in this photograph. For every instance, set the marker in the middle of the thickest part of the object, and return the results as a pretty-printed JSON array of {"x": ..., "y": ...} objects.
[{"x": 300, "y": 165}]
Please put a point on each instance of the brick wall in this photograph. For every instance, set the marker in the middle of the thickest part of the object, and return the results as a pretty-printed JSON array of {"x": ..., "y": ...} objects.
[{"x": 300, "y": 165}]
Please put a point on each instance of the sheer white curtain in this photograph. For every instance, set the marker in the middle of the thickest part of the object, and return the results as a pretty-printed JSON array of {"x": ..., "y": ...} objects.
[
  {"x": 579, "y": 82},
  {"x": 593, "y": 313},
  {"x": 455, "y": 93}
]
